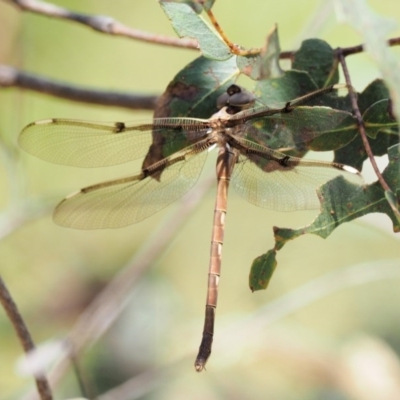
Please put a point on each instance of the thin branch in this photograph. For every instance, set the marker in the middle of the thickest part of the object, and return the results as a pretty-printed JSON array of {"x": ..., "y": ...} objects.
[
  {"x": 361, "y": 128},
  {"x": 347, "y": 51},
  {"x": 11, "y": 77},
  {"x": 360, "y": 122},
  {"x": 109, "y": 25},
  {"x": 24, "y": 336},
  {"x": 100, "y": 23}
]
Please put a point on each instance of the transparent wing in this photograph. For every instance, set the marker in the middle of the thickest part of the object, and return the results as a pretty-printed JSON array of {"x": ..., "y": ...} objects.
[
  {"x": 272, "y": 180},
  {"x": 90, "y": 144},
  {"x": 129, "y": 200},
  {"x": 298, "y": 129}
]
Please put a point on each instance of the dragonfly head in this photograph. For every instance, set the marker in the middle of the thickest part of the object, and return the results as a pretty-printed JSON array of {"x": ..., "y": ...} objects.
[{"x": 236, "y": 99}]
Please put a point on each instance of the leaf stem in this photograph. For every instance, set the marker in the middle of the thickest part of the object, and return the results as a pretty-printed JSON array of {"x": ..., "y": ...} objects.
[
  {"x": 361, "y": 128},
  {"x": 235, "y": 48}
]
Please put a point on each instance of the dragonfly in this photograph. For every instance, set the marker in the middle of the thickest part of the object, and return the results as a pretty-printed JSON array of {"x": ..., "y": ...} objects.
[{"x": 175, "y": 150}]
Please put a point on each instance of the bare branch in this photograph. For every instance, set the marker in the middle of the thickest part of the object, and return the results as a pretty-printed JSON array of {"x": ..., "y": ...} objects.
[
  {"x": 347, "y": 51},
  {"x": 10, "y": 77},
  {"x": 24, "y": 336},
  {"x": 361, "y": 129},
  {"x": 109, "y": 25},
  {"x": 101, "y": 23}
]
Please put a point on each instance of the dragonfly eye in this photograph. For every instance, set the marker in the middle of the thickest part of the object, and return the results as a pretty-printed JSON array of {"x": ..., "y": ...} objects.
[
  {"x": 223, "y": 100},
  {"x": 243, "y": 99},
  {"x": 233, "y": 89},
  {"x": 236, "y": 98}
]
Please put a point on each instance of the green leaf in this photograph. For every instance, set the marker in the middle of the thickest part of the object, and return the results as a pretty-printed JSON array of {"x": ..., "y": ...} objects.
[
  {"x": 379, "y": 118},
  {"x": 379, "y": 123},
  {"x": 265, "y": 64},
  {"x": 354, "y": 153},
  {"x": 195, "y": 5},
  {"x": 192, "y": 93},
  {"x": 318, "y": 59},
  {"x": 262, "y": 270},
  {"x": 195, "y": 89},
  {"x": 304, "y": 128},
  {"x": 337, "y": 129},
  {"x": 275, "y": 92},
  {"x": 342, "y": 201},
  {"x": 374, "y": 92},
  {"x": 393, "y": 202},
  {"x": 322, "y": 129},
  {"x": 187, "y": 23}
]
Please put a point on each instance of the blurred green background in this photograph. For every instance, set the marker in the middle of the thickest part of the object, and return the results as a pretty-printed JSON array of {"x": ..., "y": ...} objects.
[{"x": 295, "y": 347}]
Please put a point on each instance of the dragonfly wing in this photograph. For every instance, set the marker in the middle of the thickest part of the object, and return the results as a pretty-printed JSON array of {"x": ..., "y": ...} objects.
[
  {"x": 272, "y": 180},
  {"x": 129, "y": 200},
  {"x": 297, "y": 129},
  {"x": 91, "y": 144}
]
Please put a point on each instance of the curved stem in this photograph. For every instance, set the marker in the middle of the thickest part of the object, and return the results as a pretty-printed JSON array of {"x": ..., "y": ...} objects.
[{"x": 24, "y": 336}]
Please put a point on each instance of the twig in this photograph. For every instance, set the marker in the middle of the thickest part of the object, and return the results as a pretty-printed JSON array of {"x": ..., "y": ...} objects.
[
  {"x": 360, "y": 121},
  {"x": 361, "y": 128},
  {"x": 347, "y": 51},
  {"x": 100, "y": 23},
  {"x": 12, "y": 77},
  {"x": 109, "y": 25},
  {"x": 24, "y": 336}
]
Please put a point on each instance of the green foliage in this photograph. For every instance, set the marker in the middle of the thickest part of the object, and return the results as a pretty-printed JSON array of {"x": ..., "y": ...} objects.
[
  {"x": 188, "y": 23},
  {"x": 59, "y": 271},
  {"x": 374, "y": 30},
  {"x": 341, "y": 202},
  {"x": 324, "y": 123},
  {"x": 316, "y": 57},
  {"x": 194, "y": 90},
  {"x": 261, "y": 270}
]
